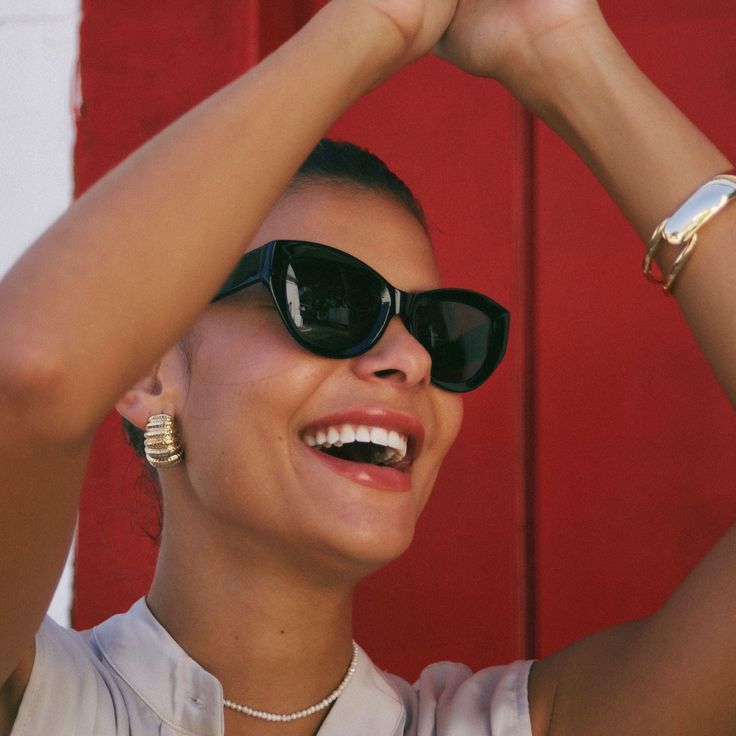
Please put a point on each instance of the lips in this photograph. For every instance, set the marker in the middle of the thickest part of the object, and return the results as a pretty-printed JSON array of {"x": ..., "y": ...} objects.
[{"x": 373, "y": 446}]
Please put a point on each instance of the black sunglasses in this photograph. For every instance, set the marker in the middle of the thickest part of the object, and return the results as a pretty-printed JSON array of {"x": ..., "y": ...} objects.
[{"x": 336, "y": 306}]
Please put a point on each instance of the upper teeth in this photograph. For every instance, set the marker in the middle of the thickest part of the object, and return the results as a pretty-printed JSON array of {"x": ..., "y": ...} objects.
[{"x": 338, "y": 436}]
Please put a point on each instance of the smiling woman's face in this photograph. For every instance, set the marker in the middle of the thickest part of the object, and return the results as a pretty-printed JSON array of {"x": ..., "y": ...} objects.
[{"x": 255, "y": 403}]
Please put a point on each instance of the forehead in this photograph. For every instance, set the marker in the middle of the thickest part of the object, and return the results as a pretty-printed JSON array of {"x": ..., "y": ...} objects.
[{"x": 369, "y": 225}]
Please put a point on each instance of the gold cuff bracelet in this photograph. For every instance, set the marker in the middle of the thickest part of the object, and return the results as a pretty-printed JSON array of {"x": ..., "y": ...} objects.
[{"x": 681, "y": 228}]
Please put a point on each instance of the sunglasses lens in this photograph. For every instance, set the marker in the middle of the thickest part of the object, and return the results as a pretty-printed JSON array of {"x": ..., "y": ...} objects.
[
  {"x": 465, "y": 340},
  {"x": 334, "y": 305}
]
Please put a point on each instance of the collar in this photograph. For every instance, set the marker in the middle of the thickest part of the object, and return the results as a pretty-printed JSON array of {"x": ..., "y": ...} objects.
[
  {"x": 369, "y": 705},
  {"x": 177, "y": 689},
  {"x": 188, "y": 698}
]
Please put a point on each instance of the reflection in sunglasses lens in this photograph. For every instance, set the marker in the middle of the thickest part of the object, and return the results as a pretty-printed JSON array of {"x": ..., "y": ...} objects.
[
  {"x": 334, "y": 305},
  {"x": 456, "y": 335}
]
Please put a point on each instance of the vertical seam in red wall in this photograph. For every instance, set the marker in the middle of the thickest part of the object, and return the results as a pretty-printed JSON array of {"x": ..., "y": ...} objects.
[
  {"x": 255, "y": 41},
  {"x": 524, "y": 193}
]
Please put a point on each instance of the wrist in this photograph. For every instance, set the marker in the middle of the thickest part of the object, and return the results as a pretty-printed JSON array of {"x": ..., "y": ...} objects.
[
  {"x": 551, "y": 72},
  {"x": 366, "y": 37}
]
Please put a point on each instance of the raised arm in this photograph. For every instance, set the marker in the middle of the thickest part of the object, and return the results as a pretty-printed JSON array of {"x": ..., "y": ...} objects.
[
  {"x": 562, "y": 61},
  {"x": 110, "y": 286},
  {"x": 673, "y": 673}
]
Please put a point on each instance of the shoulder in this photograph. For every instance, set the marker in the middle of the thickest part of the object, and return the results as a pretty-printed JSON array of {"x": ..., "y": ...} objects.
[
  {"x": 80, "y": 682},
  {"x": 68, "y": 686},
  {"x": 449, "y": 698}
]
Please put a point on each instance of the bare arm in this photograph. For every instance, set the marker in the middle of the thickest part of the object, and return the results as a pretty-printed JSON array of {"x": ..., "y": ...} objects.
[
  {"x": 102, "y": 294},
  {"x": 563, "y": 62},
  {"x": 673, "y": 673}
]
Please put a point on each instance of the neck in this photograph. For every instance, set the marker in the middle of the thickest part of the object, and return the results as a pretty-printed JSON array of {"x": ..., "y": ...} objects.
[{"x": 276, "y": 640}]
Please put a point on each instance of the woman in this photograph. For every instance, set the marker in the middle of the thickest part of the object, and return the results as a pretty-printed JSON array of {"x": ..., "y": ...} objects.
[{"x": 264, "y": 534}]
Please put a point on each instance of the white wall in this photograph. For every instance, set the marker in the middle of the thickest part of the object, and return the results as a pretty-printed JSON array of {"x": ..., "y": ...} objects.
[{"x": 38, "y": 56}]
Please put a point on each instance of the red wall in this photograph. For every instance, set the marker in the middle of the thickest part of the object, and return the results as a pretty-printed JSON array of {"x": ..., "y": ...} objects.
[
  {"x": 636, "y": 461},
  {"x": 598, "y": 464}
]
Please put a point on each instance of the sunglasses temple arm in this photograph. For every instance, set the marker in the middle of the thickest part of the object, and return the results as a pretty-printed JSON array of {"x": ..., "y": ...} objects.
[{"x": 252, "y": 268}]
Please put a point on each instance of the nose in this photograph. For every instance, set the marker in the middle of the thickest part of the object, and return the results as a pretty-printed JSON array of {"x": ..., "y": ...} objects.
[{"x": 397, "y": 358}]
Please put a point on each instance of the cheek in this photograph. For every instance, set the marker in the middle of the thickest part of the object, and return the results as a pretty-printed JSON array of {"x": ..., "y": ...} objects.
[
  {"x": 249, "y": 362},
  {"x": 450, "y": 418},
  {"x": 244, "y": 391}
]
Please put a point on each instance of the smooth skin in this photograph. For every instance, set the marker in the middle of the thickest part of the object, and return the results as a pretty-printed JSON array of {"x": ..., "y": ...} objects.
[
  {"x": 262, "y": 545},
  {"x": 66, "y": 359}
]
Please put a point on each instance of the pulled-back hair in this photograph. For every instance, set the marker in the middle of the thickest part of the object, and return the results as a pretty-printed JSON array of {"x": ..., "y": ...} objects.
[
  {"x": 330, "y": 162},
  {"x": 341, "y": 162}
]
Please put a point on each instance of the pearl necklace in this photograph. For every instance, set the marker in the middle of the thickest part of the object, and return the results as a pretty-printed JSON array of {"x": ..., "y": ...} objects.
[{"x": 286, "y": 717}]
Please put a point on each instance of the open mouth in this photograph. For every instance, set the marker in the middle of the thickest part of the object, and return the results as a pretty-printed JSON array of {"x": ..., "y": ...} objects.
[{"x": 362, "y": 444}]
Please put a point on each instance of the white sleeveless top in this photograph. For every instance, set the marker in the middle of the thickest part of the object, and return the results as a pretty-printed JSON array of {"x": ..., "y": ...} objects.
[{"x": 128, "y": 677}]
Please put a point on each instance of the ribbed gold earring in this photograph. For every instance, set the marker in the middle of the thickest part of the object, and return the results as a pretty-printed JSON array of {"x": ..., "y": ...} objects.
[{"x": 162, "y": 446}]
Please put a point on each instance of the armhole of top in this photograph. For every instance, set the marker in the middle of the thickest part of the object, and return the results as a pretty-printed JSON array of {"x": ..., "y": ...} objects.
[{"x": 23, "y": 682}]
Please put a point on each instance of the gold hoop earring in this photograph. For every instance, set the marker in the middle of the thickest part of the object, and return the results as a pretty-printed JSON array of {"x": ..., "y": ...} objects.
[{"x": 162, "y": 446}]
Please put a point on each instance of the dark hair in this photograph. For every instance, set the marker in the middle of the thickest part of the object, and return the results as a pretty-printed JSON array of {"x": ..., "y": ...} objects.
[
  {"x": 341, "y": 162},
  {"x": 330, "y": 162}
]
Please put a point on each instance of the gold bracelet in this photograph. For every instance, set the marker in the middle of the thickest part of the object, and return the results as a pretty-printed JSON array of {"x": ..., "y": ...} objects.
[{"x": 681, "y": 228}]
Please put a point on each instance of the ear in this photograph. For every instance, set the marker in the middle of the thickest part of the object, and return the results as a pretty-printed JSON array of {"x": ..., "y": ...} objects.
[
  {"x": 142, "y": 400},
  {"x": 160, "y": 391}
]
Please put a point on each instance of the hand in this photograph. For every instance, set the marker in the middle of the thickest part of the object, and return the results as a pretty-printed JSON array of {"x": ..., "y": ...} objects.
[
  {"x": 420, "y": 23},
  {"x": 503, "y": 38}
]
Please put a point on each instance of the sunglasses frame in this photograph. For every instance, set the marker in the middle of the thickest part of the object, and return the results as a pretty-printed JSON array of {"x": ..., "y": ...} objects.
[{"x": 266, "y": 265}]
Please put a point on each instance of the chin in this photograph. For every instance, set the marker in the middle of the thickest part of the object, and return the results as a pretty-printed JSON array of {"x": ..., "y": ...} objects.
[{"x": 353, "y": 555}]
